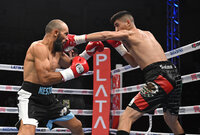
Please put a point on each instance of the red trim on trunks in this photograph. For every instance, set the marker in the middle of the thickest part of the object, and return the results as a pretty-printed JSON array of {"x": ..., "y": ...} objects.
[
  {"x": 140, "y": 102},
  {"x": 164, "y": 84}
]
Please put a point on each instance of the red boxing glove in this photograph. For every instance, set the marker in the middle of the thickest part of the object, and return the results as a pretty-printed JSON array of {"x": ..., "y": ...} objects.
[
  {"x": 114, "y": 43},
  {"x": 73, "y": 40},
  {"x": 78, "y": 67},
  {"x": 91, "y": 49},
  {"x": 118, "y": 46}
]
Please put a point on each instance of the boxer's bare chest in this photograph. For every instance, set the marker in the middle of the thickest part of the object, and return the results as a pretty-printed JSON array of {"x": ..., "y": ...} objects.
[{"x": 54, "y": 61}]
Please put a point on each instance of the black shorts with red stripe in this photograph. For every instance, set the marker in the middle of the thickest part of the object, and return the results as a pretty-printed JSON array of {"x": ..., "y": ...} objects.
[{"x": 163, "y": 88}]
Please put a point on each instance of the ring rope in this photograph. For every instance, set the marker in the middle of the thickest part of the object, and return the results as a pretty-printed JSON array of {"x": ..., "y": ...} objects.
[
  {"x": 20, "y": 68},
  {"x": 43, "y": 130},
  {"x": 186, "y": 79},
  {"x": 170, "y": 54},
  {"x": 159, "y": 111},
  {"x": 150, "y": 124},
  {"x": 54, "y": 90},
  {"x": 183, "y": 110},
  {"x": 85, "y": 130},
  {"x": 65, "y": 130},
  {"x": 14, "y": 110}
]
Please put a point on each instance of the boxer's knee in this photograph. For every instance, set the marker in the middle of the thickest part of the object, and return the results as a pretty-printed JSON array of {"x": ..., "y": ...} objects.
[
  {"x": 77, "y": 128},
  {"x": 26, "y": 130},
  {"x": 130, "y": 114}
]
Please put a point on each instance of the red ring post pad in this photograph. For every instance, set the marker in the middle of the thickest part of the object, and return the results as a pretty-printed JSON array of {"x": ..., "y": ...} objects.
[{"x": 101, "y": 92}]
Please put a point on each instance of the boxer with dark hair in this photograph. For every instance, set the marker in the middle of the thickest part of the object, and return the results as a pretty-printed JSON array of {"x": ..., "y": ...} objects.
[{"x": 163, "y": 82}]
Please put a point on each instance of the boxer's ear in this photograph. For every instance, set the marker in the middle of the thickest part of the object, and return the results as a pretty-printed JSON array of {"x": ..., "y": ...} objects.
[{"x": 55, "y": 32}]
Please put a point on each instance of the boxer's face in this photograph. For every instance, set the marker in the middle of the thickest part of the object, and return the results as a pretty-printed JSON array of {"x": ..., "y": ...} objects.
[
  {"x": 58, "y": 43},
  {"x": 61, "y": 39},
  {"x": 120, "y": 25}
]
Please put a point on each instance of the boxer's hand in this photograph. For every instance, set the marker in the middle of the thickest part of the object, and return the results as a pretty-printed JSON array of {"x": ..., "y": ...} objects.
[
  {"x": 94, "y": 46},
  {"x": 118, "y": 46},
  {"x": 73, "y": 40},
  {"x": 78, "y": 67},
  {"x": 114, "y": 43},
  {"x": 91, "y": 49}
]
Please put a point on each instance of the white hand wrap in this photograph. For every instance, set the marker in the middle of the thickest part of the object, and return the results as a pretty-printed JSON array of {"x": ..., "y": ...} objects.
[
  {"x": 85, "y": 55},
  {"x": 121, "y": 49},
  {"x": 79, "y": 39},
  {"x": 67, "y": 74}
]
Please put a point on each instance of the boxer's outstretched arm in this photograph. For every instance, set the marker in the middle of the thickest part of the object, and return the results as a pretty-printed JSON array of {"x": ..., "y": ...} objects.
[
  {"x": 42, "y": 66},
  {"x": 108, "y": 35}
]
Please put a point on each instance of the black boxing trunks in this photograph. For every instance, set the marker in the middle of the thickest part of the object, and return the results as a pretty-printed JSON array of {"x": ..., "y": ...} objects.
[
  {"x": 163, "y": 88},
  {"x": 38, "y": 104}
]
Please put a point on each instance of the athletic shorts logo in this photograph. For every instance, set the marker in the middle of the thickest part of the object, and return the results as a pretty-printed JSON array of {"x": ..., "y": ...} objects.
[
  {"x": 79, "y": 68},
  {"x": 45, "y": 90},
  {"x": 63, "y": 112},
  {"x": 149, "y": 90},
  {"x": 166, "y": 66}
]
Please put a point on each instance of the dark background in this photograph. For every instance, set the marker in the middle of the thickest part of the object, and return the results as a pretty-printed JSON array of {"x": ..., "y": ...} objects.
[{"x": 23, "y": 21}]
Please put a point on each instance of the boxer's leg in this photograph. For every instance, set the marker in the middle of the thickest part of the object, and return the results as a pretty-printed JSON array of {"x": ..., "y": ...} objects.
[
  {"x": 173, "y": 123},
  {"x": 74, "y": 125},
  {"x": 129, "y": 116},
  {"x": 26, "y": 129}
]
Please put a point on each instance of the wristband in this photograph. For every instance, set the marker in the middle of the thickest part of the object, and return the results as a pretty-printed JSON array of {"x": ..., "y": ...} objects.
[
  {"x": 67, "y": 74},
  {"x": 85, "y": 55},
  {"x": 121, "y": 49},
  {"x": 79, "y": 39}
]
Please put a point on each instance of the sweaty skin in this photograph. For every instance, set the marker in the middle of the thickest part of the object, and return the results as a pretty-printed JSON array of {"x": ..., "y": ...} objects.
[
  {"x": 142, "y": 49},
  {"x": 40, "y": 63},
  {"x": 141, "y": 45}
]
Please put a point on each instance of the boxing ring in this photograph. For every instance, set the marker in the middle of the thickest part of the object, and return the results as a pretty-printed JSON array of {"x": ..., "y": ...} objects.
[{"x": 184, "y": 110}]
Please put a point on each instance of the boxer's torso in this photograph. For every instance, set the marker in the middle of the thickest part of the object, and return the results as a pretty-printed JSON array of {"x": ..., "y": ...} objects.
[
  {"x": 51, "y": 63},
  {"x": 144, "y": 48}
]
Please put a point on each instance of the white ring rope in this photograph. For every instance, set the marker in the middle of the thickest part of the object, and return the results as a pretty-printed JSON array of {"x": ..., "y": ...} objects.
[
  {"x": 14, "y": 110},
  {"x": 170, "y": 54},
  {"x": 183, "y": 110},
  {"x": 54, "y": 90},
  {"x": 150, "y": 124},
  {"x": 159, "y": 111},
  {"x": 85, "y": 130},
  {"x": 186, "y": 79},
  {"x": 20, "y": 68},
  {"x": 42, "y": 130}
]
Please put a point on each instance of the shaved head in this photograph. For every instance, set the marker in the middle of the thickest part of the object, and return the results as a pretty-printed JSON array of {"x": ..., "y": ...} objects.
[{"x": 55, "y": 24}]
